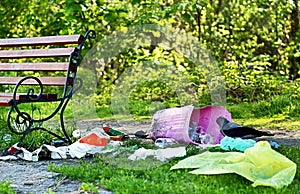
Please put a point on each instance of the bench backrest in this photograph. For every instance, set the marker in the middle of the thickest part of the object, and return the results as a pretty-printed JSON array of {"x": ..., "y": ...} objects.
[{"x": 17, "y": 54}]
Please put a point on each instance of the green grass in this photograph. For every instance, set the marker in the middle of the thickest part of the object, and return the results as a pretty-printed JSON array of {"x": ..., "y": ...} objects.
[
  {"x": 121, "y": 176},
  {"x": 277, "y": 106},
  {"x": 270, "y": 123},
  {"x": 5, "y": 188},
  {"x": 280, "y": 112},
  {"x": 159, "y": 179}
]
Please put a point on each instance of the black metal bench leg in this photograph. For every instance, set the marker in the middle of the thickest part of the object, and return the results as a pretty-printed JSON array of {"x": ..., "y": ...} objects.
[
  {"x": 25, "y": 120},
  {"x": 62, "y": 123}
]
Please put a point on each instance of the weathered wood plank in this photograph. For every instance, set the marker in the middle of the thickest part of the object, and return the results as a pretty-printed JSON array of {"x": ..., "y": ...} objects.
[
  {"x": 41, "y": 41},
  {"x": 6, "y": 99},
  {"x": 40, "y": 66},
  {"x": 47, "y": 81},
  {"x": 36, "y": 53}
]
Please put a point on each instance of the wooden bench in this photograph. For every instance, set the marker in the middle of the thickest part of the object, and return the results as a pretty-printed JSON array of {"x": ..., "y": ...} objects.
[{"x": 47, "y": 67}]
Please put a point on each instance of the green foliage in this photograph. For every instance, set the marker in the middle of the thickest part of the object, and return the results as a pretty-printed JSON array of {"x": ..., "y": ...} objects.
[
  {"x": 192, "y": 150},
  {"x": 138, "y": 144},
  {"x": 5, "y": 188},
  {"x": 255, "y": 42},
  {"x": 89, "y": 187},
  {"x": 277, "y": 106},
  {"x": 7, "y": 138},
  {"x": 161, "y": 180}
]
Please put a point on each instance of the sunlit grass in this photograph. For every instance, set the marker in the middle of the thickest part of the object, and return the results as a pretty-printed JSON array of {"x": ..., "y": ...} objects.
[
  {"x": 270, "y": 123},
  {"x": 109, "y": 174}
]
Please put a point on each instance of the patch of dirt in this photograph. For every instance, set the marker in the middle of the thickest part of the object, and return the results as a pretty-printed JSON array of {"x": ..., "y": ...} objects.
[
  {"x": 283, "y": 137},
  {"x": 34, "y": 177}
]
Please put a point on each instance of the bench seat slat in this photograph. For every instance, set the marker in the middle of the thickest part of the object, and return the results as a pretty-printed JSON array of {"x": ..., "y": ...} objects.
[
  {"x": 36, "y": 53},
  {"x": 6, "y": 98},
  {"x": 41, "y": 66},
  {"x": 48, "y": 81},
  {"x": 5, "y": 101},
  {"x": 41, "y": 41}
]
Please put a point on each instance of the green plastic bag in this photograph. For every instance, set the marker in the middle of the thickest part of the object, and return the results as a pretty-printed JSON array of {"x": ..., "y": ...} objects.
[{"x": 259, "y": 164}]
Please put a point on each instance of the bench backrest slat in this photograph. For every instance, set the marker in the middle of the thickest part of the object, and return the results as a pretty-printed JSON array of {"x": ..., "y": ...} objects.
[
  {"x": 41, "y": 41},
  {"x": 47, "y": 81},
  {"x": 36, "y": 53},
  {"x": 41, "y": 66},
  {"x": 52, "y": 59}
]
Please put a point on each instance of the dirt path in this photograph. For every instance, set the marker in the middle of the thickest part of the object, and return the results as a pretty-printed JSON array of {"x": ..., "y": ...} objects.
[
  {"x": 282, "y": 137},
  {"x": 33, "y": 177}
]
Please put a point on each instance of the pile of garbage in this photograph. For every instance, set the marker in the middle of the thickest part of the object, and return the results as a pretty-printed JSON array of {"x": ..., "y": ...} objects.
[{"x": 171, "y": 131}]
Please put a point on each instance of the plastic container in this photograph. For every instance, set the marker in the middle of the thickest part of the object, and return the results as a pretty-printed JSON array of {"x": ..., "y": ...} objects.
[{"x": 180, "y": 123}]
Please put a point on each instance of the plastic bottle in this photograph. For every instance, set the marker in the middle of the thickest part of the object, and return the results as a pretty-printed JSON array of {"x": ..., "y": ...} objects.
[
  {"x": 192, "y": 129},
  {"x": 196, "y": 138},
  {"x": 206, "y": 138},
  {"x": 165, "y": 142},
  {"x": 6, "y": 137},
  {"x": 114, "y": 134}
]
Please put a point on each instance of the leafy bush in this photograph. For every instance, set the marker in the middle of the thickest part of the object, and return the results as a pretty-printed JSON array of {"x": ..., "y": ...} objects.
[{"x": 5, "y": 188}]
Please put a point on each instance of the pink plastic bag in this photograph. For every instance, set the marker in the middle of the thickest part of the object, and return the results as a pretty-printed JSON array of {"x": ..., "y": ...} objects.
[{"x": 175, "y": 122}]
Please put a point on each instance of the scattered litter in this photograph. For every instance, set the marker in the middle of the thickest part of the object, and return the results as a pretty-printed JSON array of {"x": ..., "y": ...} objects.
[
  {"x": 203, "y": 138},
  {"x": 236, "y": 144},
  {"x": 114, "y": 134},
  {"x": 76, "y": 134},
  {"x": 115, "y": 143},
  {"x": 274, "y": 144},
  {"x": 92, "y": 143},
  {"x": 94, "y": 139},
  {"x": 58, "y": 143},
  {"x": 100, "y": 132},
  {"x": 79, "y": 150},
  {"x": 160, "y": 154},
  {"x": 232, "y": 129},
  {"x": 116, "y": 138},
  {"x": 8, "y": 157},
  {"x": 260, "y": 164},
  {"x": 165, "y": 142},
  {"x": 141, "y": 134},
  {"x": 181, "y": 123},
  {"x": 6, "y": 137},
  {"x": 21, "y": 153},
  {"x": 111, "y": 132}
]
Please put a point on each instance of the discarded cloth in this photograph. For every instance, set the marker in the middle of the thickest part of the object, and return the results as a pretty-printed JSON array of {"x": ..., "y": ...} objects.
[
  {"x": 232, "y": 129},
  {"x": 236, "y": 144},
  {"x": 259, "y": 164},
  {"x": 160, "y": 154}
]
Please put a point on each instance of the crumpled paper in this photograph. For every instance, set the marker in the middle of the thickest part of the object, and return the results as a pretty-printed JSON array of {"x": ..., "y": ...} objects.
[
  {"x": 160, "y": 154},
  {"x": 259, "y": 164}
]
